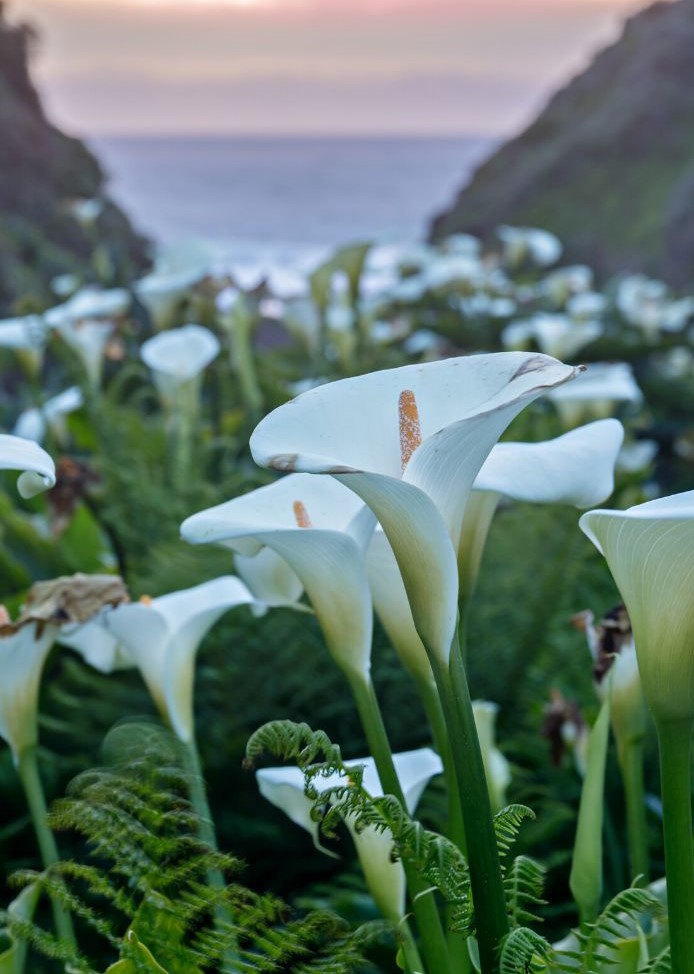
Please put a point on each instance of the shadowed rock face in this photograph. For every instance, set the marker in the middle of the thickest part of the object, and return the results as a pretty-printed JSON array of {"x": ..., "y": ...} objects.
[
  {"x": 41, "y": 171},
  {"x": 609, "y": 164}
]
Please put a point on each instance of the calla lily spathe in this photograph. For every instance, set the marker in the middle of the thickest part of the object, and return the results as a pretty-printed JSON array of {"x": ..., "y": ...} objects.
[
  {"x": 178, "y": 357},
  {"x": 317, "y": 526},
  {"x": 650, "y": 552},
  {"x": 596, "y": 392},
  {"x": 38, "y": 470},
  {"x": 410, "y": 443},
  {"x": 162, "y": 638},
  {"x": 284, "y": 788},
  {"x": 22, "y": 657},
  {"x": 576, "y": 468}
]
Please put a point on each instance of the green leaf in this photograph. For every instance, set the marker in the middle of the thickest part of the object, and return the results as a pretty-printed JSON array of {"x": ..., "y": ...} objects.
[{"x": 585, "y": 880}]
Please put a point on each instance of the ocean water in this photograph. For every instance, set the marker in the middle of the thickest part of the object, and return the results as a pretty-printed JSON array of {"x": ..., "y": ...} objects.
[{"x": 280, "y": 200}]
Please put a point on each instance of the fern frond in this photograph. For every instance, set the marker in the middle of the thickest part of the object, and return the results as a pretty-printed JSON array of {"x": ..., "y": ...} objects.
[
  {"x": 507, "y": 825},
  {"x": 661, "y": 964},
  {"x": 523, "y": 952},
  {"x": 524, "y": 883},
  {"x": 146, "y": 895}
]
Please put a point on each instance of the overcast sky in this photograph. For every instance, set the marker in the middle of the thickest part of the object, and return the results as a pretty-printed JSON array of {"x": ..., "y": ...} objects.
[{"x": 310, "y": 66}]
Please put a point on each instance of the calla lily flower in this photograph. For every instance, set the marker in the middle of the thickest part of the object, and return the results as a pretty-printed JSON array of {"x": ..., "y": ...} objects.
[
  {"x": 496, "y": 767},
  {"x": 177, "y": 359},
  {"x": 576, "y": 468},
  {"x": 162, "y": 638},
  {"x": 32, "y": 423},
  {"x": 561, "y": 284},
  {"x": 27, "y": 337},
  {"x": 410, "y": 443},
  {"x": 316, "y": 526},
  {"x": 86, "y": 323},
  {"x": 22, "y": 657},
  {"x": 38, "y": 468},
  {"x": 650, "y": 552},
  {"x": 284, "y": 788}
]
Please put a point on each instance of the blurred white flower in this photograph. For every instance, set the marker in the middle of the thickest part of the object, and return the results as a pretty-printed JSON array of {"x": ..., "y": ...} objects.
[
  {"x": 636, "y": 456},
  {"x": 86, "y": 211},
  {"x": 86, "y": 323},
  {"x": 27, "y": 336},
  {"x": 22, "y": 657},
  {"x": 521, "y": 244},
  {"x": 596, "y": 392},
  {"x": 33, "y": 423},
  {"x": 554, "y": 334},
  {"x": 560, "y": 285},
  {"x": 177, "y": 359}
]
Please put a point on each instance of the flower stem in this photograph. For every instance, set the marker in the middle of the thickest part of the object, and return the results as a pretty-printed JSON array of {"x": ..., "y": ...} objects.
[
  {"x": 483, "y": 854},
  {"x": 674, "y": 738},
  {"x": 423, "y": 903},
  {"x": 28, "y": 771},
  {"x": 630, "y": 754},
  {"x": 243, "y": 363},
  {"x": 206, "y": 831},
  {"x": 455, "y": 831}
]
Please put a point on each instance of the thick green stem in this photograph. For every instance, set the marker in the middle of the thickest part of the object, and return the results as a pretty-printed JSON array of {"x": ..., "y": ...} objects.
[
  {"x": 674, "y": 738},
  {"x": 28, "y": 771},
  {"x": 457, "y": 946},
  {"x": 423, "y": 904},
  {"x": 483, "y": 855},
  {"x": 206, "y": 831},
  {"x": 631, "y": 765}
]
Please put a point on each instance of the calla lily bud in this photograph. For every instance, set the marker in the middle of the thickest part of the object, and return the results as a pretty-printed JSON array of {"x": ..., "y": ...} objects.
[
  {"x": 23, "y": 651},
  {"x": 650, "y": 551},
  {"x": 496, "y": 767}
]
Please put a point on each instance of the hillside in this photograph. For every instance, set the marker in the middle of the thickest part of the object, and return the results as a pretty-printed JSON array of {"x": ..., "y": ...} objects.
[
  {"x": 609, "y": 164},
  {"x": 42, "y": 173}
]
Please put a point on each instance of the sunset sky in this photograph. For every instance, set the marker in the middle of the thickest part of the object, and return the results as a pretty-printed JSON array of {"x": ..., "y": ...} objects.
[{"x": 317, "y": 66}]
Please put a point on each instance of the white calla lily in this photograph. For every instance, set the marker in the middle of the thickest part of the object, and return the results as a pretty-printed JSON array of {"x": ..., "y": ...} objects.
[
  {"x": 650, "y": 552},
  {"x": 38, "y": 470},
  {"x": 86, "y": 323},
  {"x": 27, "y": 337},
  {"x": 521, "y": 244},
  {"x": 22, "y": 657},
  {"x": 314, "y": 524},
  {"x": 32, "y": 423},
  {"x": 576, "y": 468},
  {"x": 410, "y": 443},
  {"x": 162, "y": 638},
  {"x": 177, "y": 359},
  {"x": 284, "y": 788}
]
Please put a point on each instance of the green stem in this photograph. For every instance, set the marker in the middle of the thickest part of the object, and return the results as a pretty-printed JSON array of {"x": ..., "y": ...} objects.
[
  {"x": 483, "y": 855},
  {"x": 423, "y": 902},
  {"x": 674, "y": 738},
  {"x": 410, "y": 953},
  {"x": 28, "y": 771},
  {"x": 206, "y": 831},
  {"x": 631, "y": 765},
  {"x": 457, "y": 946},
  {"x": 243, "y": 363}
]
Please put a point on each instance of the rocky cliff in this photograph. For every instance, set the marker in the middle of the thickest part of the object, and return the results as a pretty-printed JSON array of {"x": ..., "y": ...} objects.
[
  {"x": 609, "y": 164},
  {"x": 44, "y": 175}
]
